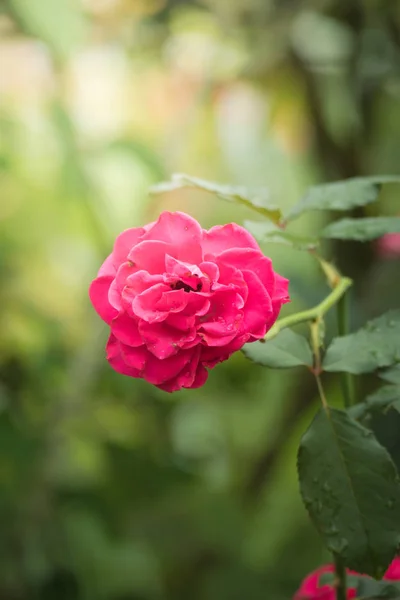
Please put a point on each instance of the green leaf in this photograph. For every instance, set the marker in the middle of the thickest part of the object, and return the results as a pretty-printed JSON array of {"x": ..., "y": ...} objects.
[
  {"x": 386, "y": 397},
  {"x": 362, "y": 230},
  {"x": 374, "y": 346},
  {"x": 369, "y": 589},
  {"x": 351, "y": 490},
  {"x": 341, "y": 195},
  {"x": 329, "y": 578},
  {"x": 265, "y": 231},
  {"x": 391, "y": 375},
  {"x": 59, "y": 23},
  {"x": 287, "y": 349},
  {"x": 257, "y": 200}
]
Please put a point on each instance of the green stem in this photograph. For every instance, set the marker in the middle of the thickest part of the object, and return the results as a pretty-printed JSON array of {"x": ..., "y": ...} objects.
[
  {"x": 311, "y": 314},
  {"x": 341, "y": 576},
  {"x": 347, "y": 380}
]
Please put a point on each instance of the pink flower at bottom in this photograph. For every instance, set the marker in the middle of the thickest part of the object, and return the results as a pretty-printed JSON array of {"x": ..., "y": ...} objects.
[
  {"x": 393, "y": 572},
  {"x": 388, "y": 246},
  {"x": 179, "y": 299},
  {"x": 311, "y": 589}
]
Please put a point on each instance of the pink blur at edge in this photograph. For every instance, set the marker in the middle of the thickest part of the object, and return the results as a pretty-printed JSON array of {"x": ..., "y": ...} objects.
[{"x": 388, "y": 246}]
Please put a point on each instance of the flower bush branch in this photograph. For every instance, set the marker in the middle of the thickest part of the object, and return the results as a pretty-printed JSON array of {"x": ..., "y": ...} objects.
[
  {"x": 311, "y": 314},
  {"x": 180, "y": 299}
]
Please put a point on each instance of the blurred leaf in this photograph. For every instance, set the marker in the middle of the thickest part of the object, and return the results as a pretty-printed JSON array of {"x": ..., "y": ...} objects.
[
  {"x": 351, "y": 490},
  {"x": 362, "y": 230},
  {"x": 321, "y": 40},
  {"x": 341, "y": 195},
  {"x": 265, "y": 231},
  {"x": 391, "y": 375},
  {"x": 375, "y": 345},
  {"x": 105, "y": 566},
  {"x": 19, "y": 454},
  {"x": 257, "y": 201},
  {"x": 60, "y": 24},
  {"x": 287, "y": 349},
  {"x": 61, "y": 585},
  {"x": 141, "y": 151}
]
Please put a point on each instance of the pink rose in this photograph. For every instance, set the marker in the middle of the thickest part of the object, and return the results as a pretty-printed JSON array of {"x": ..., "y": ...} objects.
[
  {"x": 179, "y": 298},
  {"x": 311, "y": 589}
]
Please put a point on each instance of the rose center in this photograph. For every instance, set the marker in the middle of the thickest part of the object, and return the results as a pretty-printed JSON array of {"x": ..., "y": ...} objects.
[{"x": 181, "y": 285}]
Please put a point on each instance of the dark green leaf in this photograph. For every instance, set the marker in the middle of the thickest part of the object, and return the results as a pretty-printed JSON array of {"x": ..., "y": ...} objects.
[
  {"x": 287, "y": 349},
  {"x": 374, "y": 346},
  {"x": 369, "y": 589},
  {"x": 362, "y": 230},
  {"x": 330, "y": 578},
  {"x": 341, "y": 195},
  {"x": 257, "y": 200},
  {"x": 60, "y": 24},
  {"x": 388, "y": 396},
  {"x": 391, "y": 375},
  {"x": 265, "y": 231},
  {"x": 351, "y": 490}
]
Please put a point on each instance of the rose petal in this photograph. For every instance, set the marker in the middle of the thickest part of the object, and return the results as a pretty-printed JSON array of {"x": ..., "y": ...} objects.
[
  {"x": 126, "y": 329},
  {"x": 162, "y": 340},
  {"x": 135, "y": 357},
  {"x": 281, "y": 289},
  {"x": 222, "y": 323},
  {"x": 188, "y": 374},
  {"x": 195, "y": 379},
  {"x": 172, "y": 300},
  {"x": 114, "y": 296},
  {"x": 140, "y": 281},
  {"x": 150, "y": 255},
  {"x": 159, "y": 371},
  {"x": 124, "y": 243},
  {"x": 223, "y": 237},
  {"x": 107, "y": 268},
  {"x": 181, "y": 321},
  {"x": 258, "y": 308},
  {"x": 197, "y": 304},
  {"x": 212, "y": 355},
  {"x": 114, "y": 357},
  {"x": 144, "y": 305},
  {"x": 250, "y": 260},
  {"x": 201, "y": 377},
  {"x": 210, "y": 270},
  {"x": 180, "y": 268},
  {"x": 182, "y": 231},
  {"x": 98, "y": 293}
]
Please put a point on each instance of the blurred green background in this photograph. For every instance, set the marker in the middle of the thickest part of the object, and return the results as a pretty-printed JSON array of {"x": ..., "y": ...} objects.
[{"x": 110, "y": 489}]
